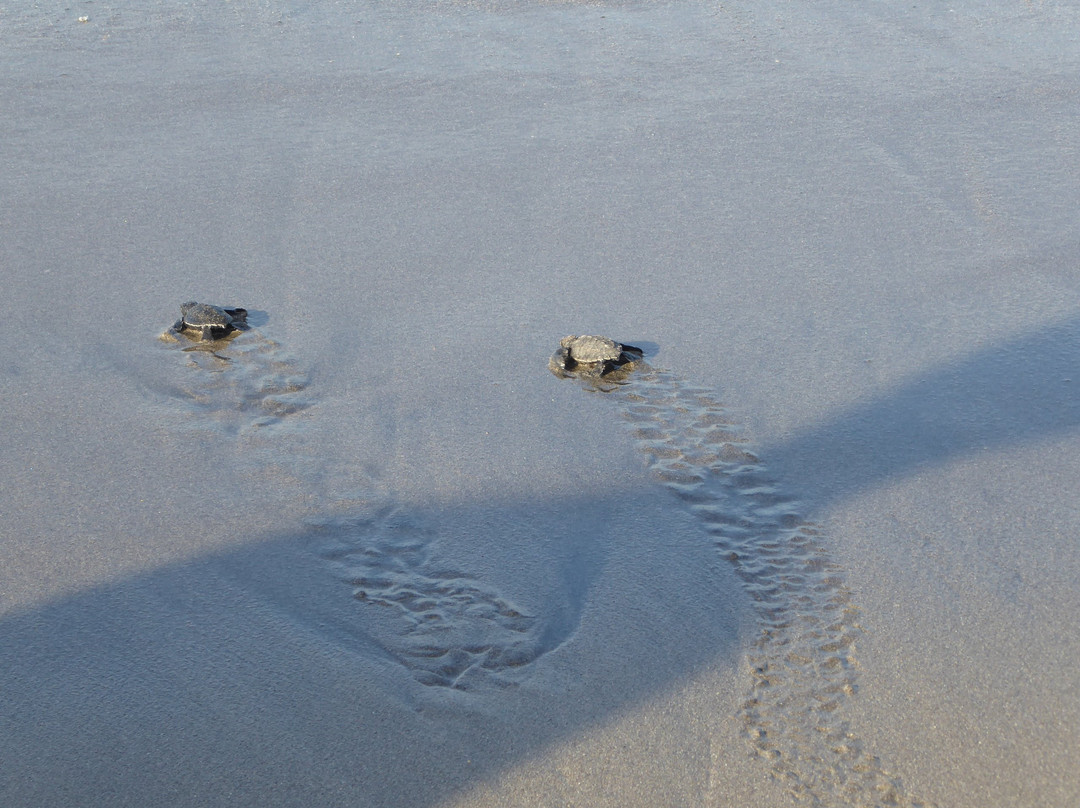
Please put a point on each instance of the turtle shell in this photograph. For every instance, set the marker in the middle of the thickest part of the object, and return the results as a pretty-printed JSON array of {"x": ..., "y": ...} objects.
[
  {"x": 203, "y": 315},
  {"x": 201, "y": 321},
  {"x": 592, "y": 357},
  {"x": 590, "y": 349}
]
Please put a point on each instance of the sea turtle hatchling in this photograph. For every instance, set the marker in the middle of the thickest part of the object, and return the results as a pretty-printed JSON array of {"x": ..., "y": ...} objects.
[
  {"x": 201, "y": 321},
  {"x": 592, "y": 355}
]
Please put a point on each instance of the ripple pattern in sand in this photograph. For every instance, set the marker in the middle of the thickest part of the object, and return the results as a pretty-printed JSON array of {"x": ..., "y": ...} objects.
[
  {"x": 803, "y": 665},
  {"x": 446, "y": 627}
]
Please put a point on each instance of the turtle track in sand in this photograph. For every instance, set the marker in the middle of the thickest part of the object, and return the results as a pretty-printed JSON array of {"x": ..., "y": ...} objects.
[
  {"x": 445, "y": 627},
  {"x": 245, "y": 382},
  {"x": 803, "y": 667}
]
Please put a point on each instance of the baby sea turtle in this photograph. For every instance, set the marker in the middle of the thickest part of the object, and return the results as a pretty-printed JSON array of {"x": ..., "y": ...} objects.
[
  {"x": 201, "y": 321},
  {"x": 592, "y": 355}
]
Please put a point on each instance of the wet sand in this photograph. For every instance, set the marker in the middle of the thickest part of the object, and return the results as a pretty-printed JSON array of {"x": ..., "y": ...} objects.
[{"x": 818, "y": 546}]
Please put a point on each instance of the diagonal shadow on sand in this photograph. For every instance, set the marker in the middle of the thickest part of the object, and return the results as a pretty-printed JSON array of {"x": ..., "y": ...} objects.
[
  {"x": 257, "y": 676},
  {"x": 138, "y": 692},
  {"x": 1018, "y": 391}
]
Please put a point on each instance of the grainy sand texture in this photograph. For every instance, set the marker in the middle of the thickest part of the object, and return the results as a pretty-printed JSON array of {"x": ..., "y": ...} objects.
[{"x": 818, "y": 547}]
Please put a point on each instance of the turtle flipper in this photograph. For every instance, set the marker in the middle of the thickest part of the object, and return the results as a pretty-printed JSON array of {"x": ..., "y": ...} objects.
[{"x": 561, "y": 363}]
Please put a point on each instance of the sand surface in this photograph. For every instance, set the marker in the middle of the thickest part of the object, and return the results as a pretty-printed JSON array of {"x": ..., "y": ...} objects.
[{"x": 819, "y": 548}]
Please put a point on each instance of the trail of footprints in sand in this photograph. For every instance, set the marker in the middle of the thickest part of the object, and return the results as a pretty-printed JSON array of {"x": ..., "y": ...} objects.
[
  {"x": 803, "y": 665},
  {"x": 447, "y": 628}
]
